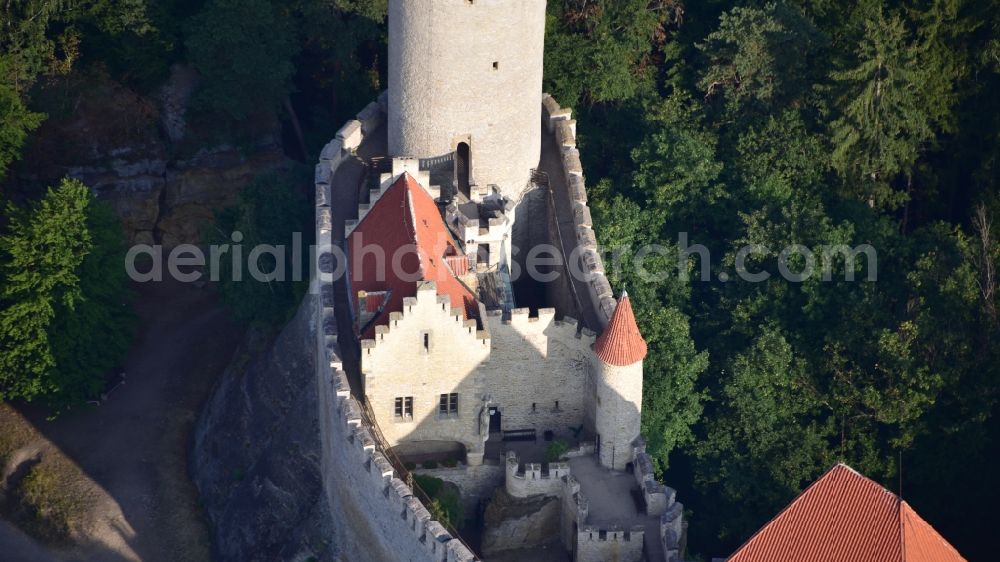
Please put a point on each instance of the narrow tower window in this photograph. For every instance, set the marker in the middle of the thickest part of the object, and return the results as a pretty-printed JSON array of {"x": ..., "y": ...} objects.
[{"x": 496, "y": 65}]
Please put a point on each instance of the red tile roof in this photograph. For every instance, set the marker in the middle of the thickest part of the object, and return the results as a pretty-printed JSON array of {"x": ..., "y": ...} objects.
[
  {"x": 845, "y": 516},
  {"x": 621, "y": 343},
  {"x": 406, "y": 226}
]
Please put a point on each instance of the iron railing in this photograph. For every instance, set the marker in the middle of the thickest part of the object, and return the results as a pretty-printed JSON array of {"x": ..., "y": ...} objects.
[{"x": 382, "y": 445}]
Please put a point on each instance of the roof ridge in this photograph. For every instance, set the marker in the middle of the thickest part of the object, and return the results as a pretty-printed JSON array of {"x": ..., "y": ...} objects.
[
  {"x": 907, "y": 512},
  {"x": 421, "y": 271},
  {"x": 788, "y": 507},
  {"x": 841, "y": 501}
]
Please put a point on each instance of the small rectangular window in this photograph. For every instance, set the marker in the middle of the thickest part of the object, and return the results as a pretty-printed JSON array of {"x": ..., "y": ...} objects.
[
  {"x": 533, "y": 407},
  {"x": 426, "y": 337},
  {"x": 496, "y": 65},
  {"x": 404, "y": 407},
  {"x": 448, "y": 404}
]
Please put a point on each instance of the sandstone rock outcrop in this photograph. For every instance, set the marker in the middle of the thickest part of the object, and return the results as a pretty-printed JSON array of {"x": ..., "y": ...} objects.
[
  {"x": 164, "y": 177},
  {"x": 256, "y": 455}
]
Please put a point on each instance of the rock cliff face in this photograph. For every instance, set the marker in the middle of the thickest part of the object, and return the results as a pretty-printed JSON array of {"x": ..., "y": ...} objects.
[
  {"x": 163, "y": 176},
  {"x": 256, "y": 457},
  {"x": 513, "y": 523}
]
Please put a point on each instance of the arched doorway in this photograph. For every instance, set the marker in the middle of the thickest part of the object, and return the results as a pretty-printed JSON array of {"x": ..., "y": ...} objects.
[
  {"x": 462, "y": 168},
  {"x": 495, "y": 424}
]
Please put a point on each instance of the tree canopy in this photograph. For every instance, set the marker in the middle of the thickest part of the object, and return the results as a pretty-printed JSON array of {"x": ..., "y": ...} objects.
[{"x": 63, "y": 321}]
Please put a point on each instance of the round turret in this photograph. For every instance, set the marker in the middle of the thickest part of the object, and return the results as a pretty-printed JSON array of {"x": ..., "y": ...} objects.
[
  {"x": 618, "y": 355},
  {"x": 465, "y": 77}
]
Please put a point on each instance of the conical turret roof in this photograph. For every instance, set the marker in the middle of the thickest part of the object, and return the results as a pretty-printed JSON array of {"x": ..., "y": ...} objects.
[{"x": 621, "y": 343}]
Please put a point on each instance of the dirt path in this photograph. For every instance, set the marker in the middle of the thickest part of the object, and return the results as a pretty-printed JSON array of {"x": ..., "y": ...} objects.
[{"x": 135, "y": 445}]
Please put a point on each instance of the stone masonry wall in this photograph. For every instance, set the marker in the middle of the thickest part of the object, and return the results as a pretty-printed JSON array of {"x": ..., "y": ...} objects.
[
  {"x": 471, "y": 72},
  {"x": 376, "y": 511},
  {"x": 660, "y": 500},
  {"x": 559, "y": 122},
  {"x": 607, "y": 545},
  {"x": 618, "y": 419},
  {"x": 532, "y": 481},
  {"x": 592, "y": 543},
  {"x": 538, "y": 361},
  {"x": 396, "y": 364},
  {"x": 475, "y": 483}
]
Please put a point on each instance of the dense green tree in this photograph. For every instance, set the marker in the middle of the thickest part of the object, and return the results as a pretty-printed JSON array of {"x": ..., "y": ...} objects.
[
  {"x": 890, "y": 104},
  {"x": 41, "y": 253},
  {"x": 343, "y": 55},
  {"x": 91, "y": 337},
  {"x": 269, "y": 214},
  {"x": 16, "y": 122},
  {"x": 243, "y": 50},
  {"x": 604, "y": 50},
  {"x": 62, "y": 279},
  {"x": 767, "y": 437},
  {"x": 760, "y": 55},
  {"x": 646, "y": 265}
]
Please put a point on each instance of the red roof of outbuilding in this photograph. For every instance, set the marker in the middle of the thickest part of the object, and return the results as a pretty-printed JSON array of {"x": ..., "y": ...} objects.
[
  {"x": 621, "y": 343},
  {"x": 845, "y": 516},
  {"x": 406, "y": 226}
]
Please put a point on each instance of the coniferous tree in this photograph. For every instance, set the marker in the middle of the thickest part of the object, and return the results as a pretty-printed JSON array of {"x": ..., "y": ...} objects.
[
  {"x": 64, "y": 319},
  {"x": 41, "y": 256}
]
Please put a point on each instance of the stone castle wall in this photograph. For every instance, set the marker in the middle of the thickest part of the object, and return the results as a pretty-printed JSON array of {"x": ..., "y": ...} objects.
[
  {"x": 618, "y": 416},
  {"x": 480, "y": 87},
  {"x": 532, "y": 481},
  {"x": 581, "y": 241},
  {"x": 595, "y": 543},
  {"x": 534, "y": 364},
  {"x": 396, "y": 364},
  {"x": 376, "y": 512},
  {"x": 476, "y": 483}
]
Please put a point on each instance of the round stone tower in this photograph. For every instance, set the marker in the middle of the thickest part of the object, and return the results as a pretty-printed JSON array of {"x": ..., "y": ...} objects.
[
  {"x": 618, "y": 355},
  {"x": 465, "y": 77}
]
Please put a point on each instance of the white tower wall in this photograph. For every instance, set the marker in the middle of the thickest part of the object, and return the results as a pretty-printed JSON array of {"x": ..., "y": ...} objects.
[
  {"x": 468, "y": 71},
  {"x": 618, "y": 411}
]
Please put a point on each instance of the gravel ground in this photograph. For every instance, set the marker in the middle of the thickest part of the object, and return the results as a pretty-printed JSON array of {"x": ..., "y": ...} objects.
[{"x": 134, "y": 446}]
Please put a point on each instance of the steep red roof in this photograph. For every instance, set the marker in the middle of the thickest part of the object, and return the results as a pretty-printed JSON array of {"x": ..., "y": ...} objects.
[
  {"x": 846, "y": 516},
  {"x": 621, "y": 343},
  {"x": 406, "y": 227}
]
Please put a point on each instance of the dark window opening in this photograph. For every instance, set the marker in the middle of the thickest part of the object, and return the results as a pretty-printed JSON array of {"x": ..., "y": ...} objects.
[
  {"x": 496, "y": 65},
  {"x": 448, "y": 405},
  {"x": 427, "y": 342},
  {"x": 463, "y": 169},
  {"x": 404, "y": 407}
]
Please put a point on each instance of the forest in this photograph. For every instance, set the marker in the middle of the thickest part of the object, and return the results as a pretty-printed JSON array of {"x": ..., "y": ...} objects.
[{"x": 801, "y": 122}]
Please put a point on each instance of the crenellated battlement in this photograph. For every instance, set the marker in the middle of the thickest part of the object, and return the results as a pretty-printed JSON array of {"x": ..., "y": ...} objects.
[
  {"x": 545, "y": 326},
  {"x": 558, "y": 121},
  {"x": 428, "y": 301},
  {"x": 376, "y": 471},
  {"x": 532, "y": 481},
  {"x": 349, "y": 448},
  {"x": 537, "y": 371}
]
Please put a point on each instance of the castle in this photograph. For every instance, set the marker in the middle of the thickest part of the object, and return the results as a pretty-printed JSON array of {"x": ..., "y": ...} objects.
[{"x": 434, "y": 347}]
